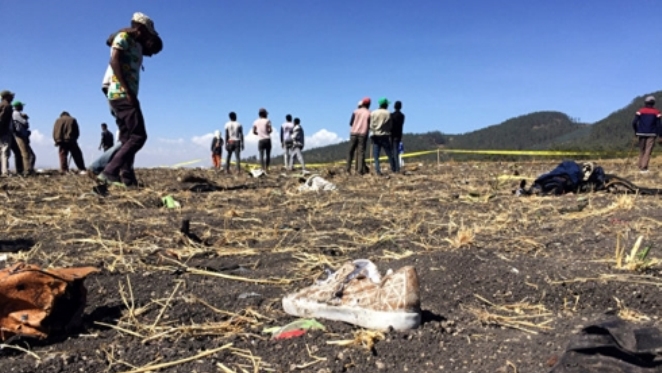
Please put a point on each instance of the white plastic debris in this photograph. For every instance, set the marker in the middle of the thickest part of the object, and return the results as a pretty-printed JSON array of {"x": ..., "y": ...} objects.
[{"x": 316, "y": 183}]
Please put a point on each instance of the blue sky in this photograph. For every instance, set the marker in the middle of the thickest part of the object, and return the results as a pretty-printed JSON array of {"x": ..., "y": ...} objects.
[{"x": 456, "y": 65}]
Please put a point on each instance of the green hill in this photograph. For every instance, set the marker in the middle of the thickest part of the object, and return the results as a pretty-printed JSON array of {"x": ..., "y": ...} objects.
[
  {"x": 523, "y": 132},
  {"x": 611, "y": 133},
  {"x": 535, "y": 131}
]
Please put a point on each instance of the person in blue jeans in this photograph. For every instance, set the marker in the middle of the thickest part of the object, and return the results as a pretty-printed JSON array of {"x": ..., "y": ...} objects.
[
  {"x": 380, "y": 125},
  {"x": 100, "y": 163}
]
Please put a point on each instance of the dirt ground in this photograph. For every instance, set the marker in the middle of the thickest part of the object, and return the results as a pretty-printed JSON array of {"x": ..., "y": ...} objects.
[{"x": 505, "y": 281}]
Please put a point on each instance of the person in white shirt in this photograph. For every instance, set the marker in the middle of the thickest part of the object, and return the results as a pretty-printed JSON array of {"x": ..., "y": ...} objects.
[
  {"x": 286, "y": 140},
  {"x": 234, "y": 141},
  {"x": 262, "y": 128}
]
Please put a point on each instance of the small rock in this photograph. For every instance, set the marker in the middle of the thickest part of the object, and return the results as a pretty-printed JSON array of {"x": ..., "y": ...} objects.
[{"x": 380, "y": 365}]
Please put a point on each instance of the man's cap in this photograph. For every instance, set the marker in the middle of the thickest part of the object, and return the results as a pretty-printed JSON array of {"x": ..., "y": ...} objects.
[
  {"x": 263, "y": 110},
  {"x": 360, "y": 103},
  {"x": 18, "y": 103},
  {"x": 6, "y": 93},
  {"x": 366, "y": 101},
  {"x": 383, "y": 101},
  {"x": 650, "y": 99},
  {"x": 144, "y": 20},
  {"x": 217, "y": 134}
]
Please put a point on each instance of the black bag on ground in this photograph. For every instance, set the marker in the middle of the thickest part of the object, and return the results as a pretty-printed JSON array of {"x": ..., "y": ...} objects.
[{"x": 613, "y": 346}]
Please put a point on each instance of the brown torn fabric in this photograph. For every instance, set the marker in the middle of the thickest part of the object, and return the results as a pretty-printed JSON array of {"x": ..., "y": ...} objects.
[{"x": 35, "y": 302}]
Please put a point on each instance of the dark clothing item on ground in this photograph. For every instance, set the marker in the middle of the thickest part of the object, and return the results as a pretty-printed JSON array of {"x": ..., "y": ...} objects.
[
  {"x": 379, "y": 143},
  {"x": 647, "y": 122},
  {"x": 646, "y": 144},
  {"x": 613, "y": 345},
  {"x": 357, "y": 144},
  {"x": 397, "y": 123},
  {"x": 107, "y": 140},
  {"x": 27, "y": 155},
  {"x": 395, "y": 148},
  {"x": 70, "y": 147},
  {"x": 233, "y": 147},
  {"x": 133, "y": 136},
  {"x": 264, "y": 147},
  {"x": 65, "y": 129},
  {"x": 6, "y": 112}
]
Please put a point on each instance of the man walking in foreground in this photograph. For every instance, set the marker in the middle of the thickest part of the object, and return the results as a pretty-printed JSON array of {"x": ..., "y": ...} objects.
[
  {"x": 397, "y": 125},
  {"x": 6, "y": 137},
  {"x": 380, "y": 125},
  {"x": 359, "y": 126},
  {"x": 262, "y": 128},
  {"x": 107, "y": 140},
  {"x": 286, "y": 140},
  {"x": 234, "y": 141},
  {"x": 647, "y": 128},
  {"x": 125, "y": 62},
  {"x": 22, "y": 132},
  {"x": 65, "y": 136}
]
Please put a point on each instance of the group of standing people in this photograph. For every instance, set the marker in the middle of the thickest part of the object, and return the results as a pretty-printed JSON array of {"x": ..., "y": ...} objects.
[
  {"x": 386, "y": 129},
  {"x": 15, "y": 136},
  {"x": 292, "y": 140}
]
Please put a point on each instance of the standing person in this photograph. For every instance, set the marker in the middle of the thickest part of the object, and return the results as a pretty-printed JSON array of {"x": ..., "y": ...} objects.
[
  {"x": 217, "y": 149},
  {"x": 380, "y": 125},
  {"x": 107, "y": 140},
  {"x": 286, "y": 140},
  {"x": 65, "y": 135},
  {"x": 125, "y": 62},
  {"x": 234, "y": 141},
  {"x": 647, "y": 128},
  {"x": 358, "y": 134},
  {"x": 262, "y": 128},
  {"x": 397, "y": 125},
  {"x": 298, "y": 142},
  {"x": 22, "y": 132},
  {"x": 6, "y": 137}
]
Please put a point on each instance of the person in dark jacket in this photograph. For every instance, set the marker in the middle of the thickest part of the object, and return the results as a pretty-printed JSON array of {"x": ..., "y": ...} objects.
[
  {"x": 397, "y": 125},
  {"x": 65, "y": 136},
  {"x": 217, "y": 149},
  {"x": 298, "y": 142},
  {"x": 6, "y": 136},
  {"x": 647, "y": 128},
  {"x": 107, "y": 140}
]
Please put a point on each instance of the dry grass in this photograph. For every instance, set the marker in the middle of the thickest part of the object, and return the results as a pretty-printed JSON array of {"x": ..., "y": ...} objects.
[
  {"x": 524, "y": 316},
  {"x": 289, "y": 236}
]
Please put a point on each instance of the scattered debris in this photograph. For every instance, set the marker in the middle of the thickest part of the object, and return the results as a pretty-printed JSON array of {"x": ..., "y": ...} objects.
[
  {"x": 249, "y": 295},
  {"x": 613, "y": 345},
  {"x": 316, "y": 183},
  {"x": 170, "y": 202},
  {"x": 258, "y": 172},
  {"x": 35, "y": 302},
  {"x": 294, "y": 329}
]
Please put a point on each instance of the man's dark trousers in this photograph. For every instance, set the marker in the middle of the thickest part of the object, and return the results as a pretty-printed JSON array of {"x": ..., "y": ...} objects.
[
  {"x": 395, "y": 144},
  {"x": 132, "y": 135},
  {"x": 357, "y": 142}
]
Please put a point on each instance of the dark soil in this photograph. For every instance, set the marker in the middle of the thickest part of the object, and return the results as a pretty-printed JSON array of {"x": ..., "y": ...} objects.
[{"x": 458, "y": 224}]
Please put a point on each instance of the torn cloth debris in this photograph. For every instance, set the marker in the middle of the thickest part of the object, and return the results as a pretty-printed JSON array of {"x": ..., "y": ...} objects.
[{"x": 35, "y": 302}]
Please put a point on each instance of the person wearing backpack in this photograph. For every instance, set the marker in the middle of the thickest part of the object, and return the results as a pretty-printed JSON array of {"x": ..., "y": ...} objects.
[
  {"x": 298, "y": 141},
  {"x": 217, "y": 150},
  {"x": 22, "y": 132},
  {"x": 647, "y": 128}
]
